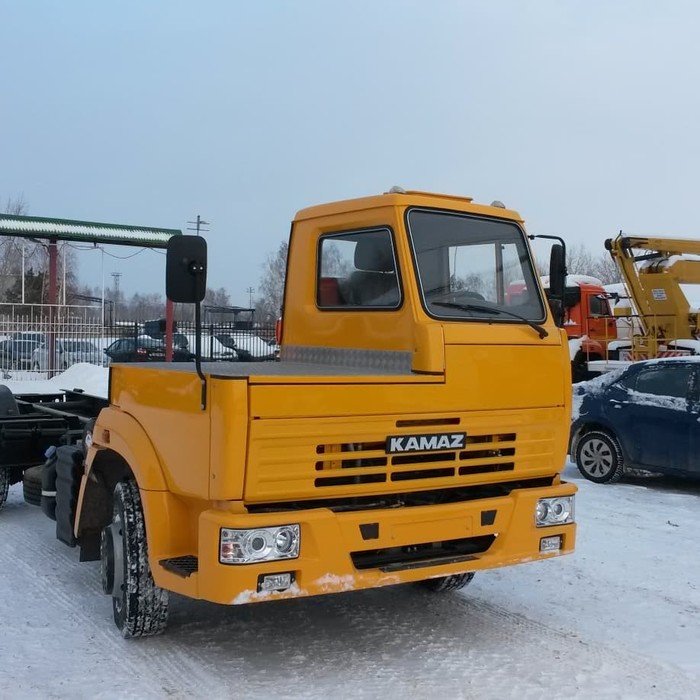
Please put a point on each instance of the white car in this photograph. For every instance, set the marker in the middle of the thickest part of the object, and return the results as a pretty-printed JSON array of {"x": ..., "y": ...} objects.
[
  {"x": 250, "y": 347},
  {"x": 67, "y": 353}
]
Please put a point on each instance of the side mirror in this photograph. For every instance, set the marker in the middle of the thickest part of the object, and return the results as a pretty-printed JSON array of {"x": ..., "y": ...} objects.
[
  {"x": 557, "y": 271},
  {"x": 186, "y": 269},
  {"x": 557, "y": 282}
]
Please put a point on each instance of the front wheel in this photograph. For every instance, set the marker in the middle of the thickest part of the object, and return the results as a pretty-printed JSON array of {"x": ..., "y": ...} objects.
[
  {"x": 140, "y": 607},
  {"x": 599, "y": 457},
  {"x": 447, "y": 583}
]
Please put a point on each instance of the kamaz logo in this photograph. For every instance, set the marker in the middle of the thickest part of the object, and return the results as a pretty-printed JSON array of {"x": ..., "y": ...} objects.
[{"x": 426, "y": 443}]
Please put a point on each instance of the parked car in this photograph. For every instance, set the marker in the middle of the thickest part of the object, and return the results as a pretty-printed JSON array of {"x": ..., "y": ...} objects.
[
  {"x": 17, "y": 354},
  {"x": 143, "y": 349},
  {"x": 34, "y": 336},
  {"x": 214, "y": 349},
  {"x": 644, "y": 417},
  {"x": 67, "y": 353},
  {"x": 250, "y": 347}
]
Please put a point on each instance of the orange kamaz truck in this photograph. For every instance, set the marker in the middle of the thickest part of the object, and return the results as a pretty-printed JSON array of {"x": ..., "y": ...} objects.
[{"x": 413, "y": 430}]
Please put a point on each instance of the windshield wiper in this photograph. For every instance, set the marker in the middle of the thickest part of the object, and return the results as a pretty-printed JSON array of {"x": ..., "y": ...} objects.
[{"x": 482, "y": 307}]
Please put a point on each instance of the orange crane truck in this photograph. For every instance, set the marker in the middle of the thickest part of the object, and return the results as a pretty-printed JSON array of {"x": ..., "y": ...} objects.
[{"x": 414, "y": 428}]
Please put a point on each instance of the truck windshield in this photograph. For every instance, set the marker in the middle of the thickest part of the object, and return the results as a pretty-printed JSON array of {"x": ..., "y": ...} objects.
[{"x": 472, "y": 267}]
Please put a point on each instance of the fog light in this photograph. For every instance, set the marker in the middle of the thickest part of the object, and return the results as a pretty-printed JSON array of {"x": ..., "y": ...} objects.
[
  {"x": 258, "y": 544},
  {"x": 275, "y": 582},
  {"x": 550, "y": 544},
  {"x": 554, "y": 511}
]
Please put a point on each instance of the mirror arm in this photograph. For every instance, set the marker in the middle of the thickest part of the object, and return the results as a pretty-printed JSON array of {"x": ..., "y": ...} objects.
[
  {"x": 198, "y": 353},
  {"x": 553, "y": 238}
]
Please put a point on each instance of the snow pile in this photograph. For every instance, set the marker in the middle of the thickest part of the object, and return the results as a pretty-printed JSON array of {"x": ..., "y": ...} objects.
[{"x": 91, "y": 379}]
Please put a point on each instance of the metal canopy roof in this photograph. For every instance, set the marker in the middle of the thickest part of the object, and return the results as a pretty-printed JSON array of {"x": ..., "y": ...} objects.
[{"x": 85, "y": 231}]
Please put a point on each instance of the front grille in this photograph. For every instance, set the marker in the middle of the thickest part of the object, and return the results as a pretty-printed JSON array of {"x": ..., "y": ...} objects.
[
  {"x": 417, "y": 555},
  {"x": 368, "y": 462}
]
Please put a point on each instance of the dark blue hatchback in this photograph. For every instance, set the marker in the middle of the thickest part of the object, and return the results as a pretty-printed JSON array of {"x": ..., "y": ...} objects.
[{"x": 646, "y": 416}]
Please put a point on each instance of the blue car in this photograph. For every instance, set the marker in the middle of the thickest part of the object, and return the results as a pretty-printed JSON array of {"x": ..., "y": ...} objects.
[{"x": 646, "y": 416}]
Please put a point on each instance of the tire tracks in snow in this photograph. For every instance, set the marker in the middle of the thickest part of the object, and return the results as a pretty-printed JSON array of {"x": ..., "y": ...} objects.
[
  {"x": 72, "y": 593},
  {"x": 393, "y": 642}
]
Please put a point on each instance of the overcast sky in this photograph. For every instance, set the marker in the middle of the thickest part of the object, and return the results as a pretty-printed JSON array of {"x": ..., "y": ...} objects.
[{"x": 583, "y": 116}]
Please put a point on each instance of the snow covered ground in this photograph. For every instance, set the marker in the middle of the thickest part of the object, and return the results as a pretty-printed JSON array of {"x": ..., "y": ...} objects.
[{"x": 620, "y": 618}]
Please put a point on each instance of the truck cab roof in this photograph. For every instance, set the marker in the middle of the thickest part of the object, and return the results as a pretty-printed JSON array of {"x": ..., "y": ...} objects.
[{"x": 406, "y": 198}]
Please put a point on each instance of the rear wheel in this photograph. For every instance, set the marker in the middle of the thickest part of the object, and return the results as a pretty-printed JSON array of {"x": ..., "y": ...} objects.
[
  {"x": 599, "y": 457},
  {"x": 31, "y": 484},
  {"x": 4, "y": 484},
  {"x": 447, "y": 583},
  {"x": 140, "y": 607}
]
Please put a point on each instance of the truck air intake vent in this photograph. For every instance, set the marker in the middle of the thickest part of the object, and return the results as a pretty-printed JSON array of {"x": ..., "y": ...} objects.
[
  {"x": 426, "y": 554},
  {"x": 427, "y": 422},
  {"x": 355, "y": 463}
]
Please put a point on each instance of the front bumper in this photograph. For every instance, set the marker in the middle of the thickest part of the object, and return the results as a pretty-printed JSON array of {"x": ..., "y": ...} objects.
[{"x": 344, "y": 551}]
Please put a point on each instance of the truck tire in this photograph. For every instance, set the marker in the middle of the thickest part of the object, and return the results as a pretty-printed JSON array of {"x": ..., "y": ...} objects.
[
  {"x": 447, "y": 583},
  {"x": 140, "y": 607},
  {"x": 599, "y": 457},
  {"x": 31, "y": 484},
  {"x": 4, "y": 484}
]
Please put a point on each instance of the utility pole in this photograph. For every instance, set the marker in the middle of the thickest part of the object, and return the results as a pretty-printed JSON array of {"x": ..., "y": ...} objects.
[
  {"x": 198, "y": 225},
  {"x": 115, "y": 277},
  {"x": 250, "y": 291}
]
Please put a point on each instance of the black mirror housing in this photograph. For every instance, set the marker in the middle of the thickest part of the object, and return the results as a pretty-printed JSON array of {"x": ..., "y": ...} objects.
[
  {"x": 186, "y": 269},
  {"x": 557, "y": 271},
  {"x": 557, "y": 282}
]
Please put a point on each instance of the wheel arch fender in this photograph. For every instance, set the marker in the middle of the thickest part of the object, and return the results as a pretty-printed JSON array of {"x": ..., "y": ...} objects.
[
  {"x": 590, "y": 346},
  {"x": 118, "y": 432},
  {"x": 121, "y": 449},
  {"x": 599, "y": 424}
]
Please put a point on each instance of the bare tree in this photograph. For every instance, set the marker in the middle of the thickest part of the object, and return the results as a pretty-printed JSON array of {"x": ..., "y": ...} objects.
[
  {"x": 271, "y": 286},
  {"x": 580, "y": 260},
  {"x": 16, "y": 251},
  {"x": 605, "y": 269},
  {"x": 217, "y": 297},
  {"x": 16, "y": 206}
]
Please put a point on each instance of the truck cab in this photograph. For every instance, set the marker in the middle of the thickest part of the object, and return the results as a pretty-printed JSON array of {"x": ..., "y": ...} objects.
[{"x": 413, "y": 430}]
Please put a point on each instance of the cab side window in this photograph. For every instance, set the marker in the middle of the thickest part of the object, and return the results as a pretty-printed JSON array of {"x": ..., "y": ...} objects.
[
  {"x": 598, "y": 306},
  {"x": 358, "y": 270}
]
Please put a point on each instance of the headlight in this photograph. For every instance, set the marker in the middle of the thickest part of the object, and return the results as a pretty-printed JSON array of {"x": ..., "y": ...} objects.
[
  {"x": 554, "y": 511},
  {"x": 259, "y": 544}
]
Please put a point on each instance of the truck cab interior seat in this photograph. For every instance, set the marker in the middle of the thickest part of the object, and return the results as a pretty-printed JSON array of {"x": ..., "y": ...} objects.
[
  {"x": 374, "y": 282},
  {"x": 328, "y": 292}
]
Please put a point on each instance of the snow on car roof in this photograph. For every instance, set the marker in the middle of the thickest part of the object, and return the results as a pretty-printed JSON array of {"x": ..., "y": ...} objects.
[{"x": 574, "y": 281}]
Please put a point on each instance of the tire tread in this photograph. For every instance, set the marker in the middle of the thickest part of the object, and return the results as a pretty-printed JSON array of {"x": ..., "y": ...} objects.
[
  {"x": 448, "y": 583},
  {"x": 144, "y": 608},
  {"x": 615, "y": 474}
]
